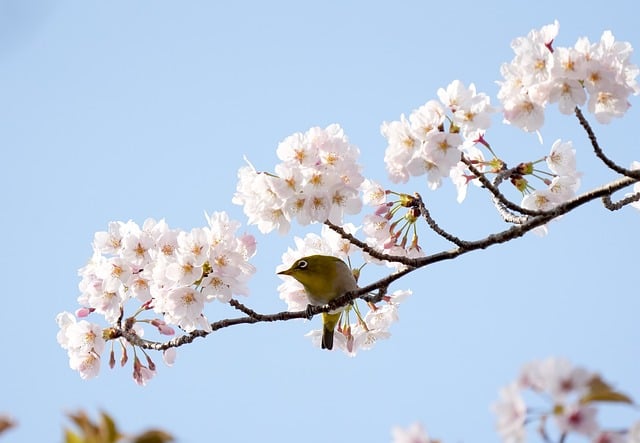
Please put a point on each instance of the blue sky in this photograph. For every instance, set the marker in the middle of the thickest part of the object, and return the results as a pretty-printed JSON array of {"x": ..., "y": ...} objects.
[{"x": 126, "y": 110}]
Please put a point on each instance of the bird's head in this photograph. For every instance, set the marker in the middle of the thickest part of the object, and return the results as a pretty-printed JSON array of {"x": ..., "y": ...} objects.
[{"x": 317, "y": 273}]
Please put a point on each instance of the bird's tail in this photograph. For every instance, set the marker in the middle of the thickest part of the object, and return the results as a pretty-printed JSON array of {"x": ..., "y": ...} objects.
[{"x": 329, "y": 322}]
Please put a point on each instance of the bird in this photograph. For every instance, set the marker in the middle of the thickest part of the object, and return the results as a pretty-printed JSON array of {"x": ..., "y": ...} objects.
[{"x": 324, "y": 278}]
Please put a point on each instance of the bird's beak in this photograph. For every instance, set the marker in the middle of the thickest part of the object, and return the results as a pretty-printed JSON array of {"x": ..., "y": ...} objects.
[{"x": 285, "y": 272}]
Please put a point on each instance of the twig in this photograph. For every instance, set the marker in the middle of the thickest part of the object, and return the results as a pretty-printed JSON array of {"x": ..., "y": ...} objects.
[
  {"x": 365, "y": 247},
  {"x": 598, "y": 151},
  {"x": 606, "y": 201},
  {"x": 501, "y": 202},
  {"x": 434, "y": 226}
]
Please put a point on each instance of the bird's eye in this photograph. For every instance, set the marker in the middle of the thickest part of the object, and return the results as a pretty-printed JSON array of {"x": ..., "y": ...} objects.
[{"x": 302, "y": 264}]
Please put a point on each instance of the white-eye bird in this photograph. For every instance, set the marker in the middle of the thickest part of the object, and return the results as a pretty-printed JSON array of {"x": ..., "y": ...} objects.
[{"x": 324, "y": 278}]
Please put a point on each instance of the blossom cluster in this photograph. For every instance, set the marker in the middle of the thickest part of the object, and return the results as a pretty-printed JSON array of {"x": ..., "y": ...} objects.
[
  {"x": 411, "y": 152},
  {"x": 540, "y": 74},
  {"x": 169, "y": 271},
  {"x": 421, "y": 144},
  {"x": 84, "y": 344},
  {"x": 317, "y": 180},
  {"x": 432, "y": 139},
  {"x": 351, "y": 335},
  {"x": 569, "y": 396}
]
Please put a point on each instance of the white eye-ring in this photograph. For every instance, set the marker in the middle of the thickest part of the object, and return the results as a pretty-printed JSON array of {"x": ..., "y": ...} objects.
[{"x": 302, "y": 264}]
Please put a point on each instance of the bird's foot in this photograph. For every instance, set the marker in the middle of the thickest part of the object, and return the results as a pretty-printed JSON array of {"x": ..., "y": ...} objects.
[{"x": 309, "y": 312}]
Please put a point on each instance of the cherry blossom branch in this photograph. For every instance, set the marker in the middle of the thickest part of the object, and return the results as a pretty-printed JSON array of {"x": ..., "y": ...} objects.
[
  {"x": 501, "y": 237},
  {"x": 522, "y": 224},
  {"x": 174, "y": 273},
  {"x": 502, "y": 203},
  {"x": 545, "y": 217},
  {"x": 412, "y": 264},
  {"x": 365, "y": 247},
  {"x": 252, "y": 317},
  {"x": 434, "y": 226},
  {"x": 598, "y": 151},
  {"x": 493, "y": 187}
]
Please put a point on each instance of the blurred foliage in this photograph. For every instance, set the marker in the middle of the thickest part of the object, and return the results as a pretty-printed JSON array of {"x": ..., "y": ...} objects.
[
  {"x": 6, "y": 423},
  {"x": 104, "y": 430}
]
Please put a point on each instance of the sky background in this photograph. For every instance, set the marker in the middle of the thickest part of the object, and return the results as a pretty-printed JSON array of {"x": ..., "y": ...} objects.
[{"x": 125, "y": 110}]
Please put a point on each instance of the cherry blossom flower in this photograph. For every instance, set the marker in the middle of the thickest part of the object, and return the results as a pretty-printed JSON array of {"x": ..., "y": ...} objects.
[
  {"x": 511, "y": 413},
  {"x": 84, "y": 344},
  {"x": 413, "y": 434},
  {"x": 609, "y": 437},
  {"x": 578, "y": 418}
]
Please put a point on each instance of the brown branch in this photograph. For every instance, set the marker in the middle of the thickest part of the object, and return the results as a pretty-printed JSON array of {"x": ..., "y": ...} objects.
[
  {"x": 547, "y": 216},
  {"x": 365, "y": 247},
  {"x": 434, "y": 225},
  {"x": 606, "y": 201},
  {"x": 244, "y": 309},
  {"x": 501, "y": 202},
  {"x": 412, "y": 264},
  {"x": 599, "y": 152},
  {"x": 136, "y": 340},
  {"x": 500, "y": 237}
]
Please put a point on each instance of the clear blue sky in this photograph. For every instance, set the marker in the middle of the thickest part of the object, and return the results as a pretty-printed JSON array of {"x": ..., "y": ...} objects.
[{"x": 126, "y": 110}]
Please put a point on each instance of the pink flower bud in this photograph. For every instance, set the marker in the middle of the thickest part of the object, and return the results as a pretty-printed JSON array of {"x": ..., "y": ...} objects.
[
  {"x": 162, "y": 327},
  {"x": 166, "y": 330},
  {"x": 125, "y": 358},
  {"x": 152, "y": 365},
  {"x": 84, "y": 312}
]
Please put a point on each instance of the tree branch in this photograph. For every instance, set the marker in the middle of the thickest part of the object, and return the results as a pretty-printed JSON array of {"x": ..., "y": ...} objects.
[
  {"x": 411, "y": 264},
  {"x": 365, "y": 247},
  {"x": 598, "y": 151},
  {"x": 434, "y": 226},
  {"x": 501, "y": 202},
  {"x": 606, "y": 201}
]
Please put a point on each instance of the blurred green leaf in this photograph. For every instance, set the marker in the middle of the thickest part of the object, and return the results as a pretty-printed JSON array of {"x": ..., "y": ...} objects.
[
  {"x": 71, "y": 437},
  {"x": 108, "y": 428},
  {"x": 106, "y": 431},
  {"x": 599, "y": 390}
]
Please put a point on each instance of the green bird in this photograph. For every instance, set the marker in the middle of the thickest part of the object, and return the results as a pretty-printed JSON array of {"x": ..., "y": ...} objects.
[{"x": 324, "y": 278}]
